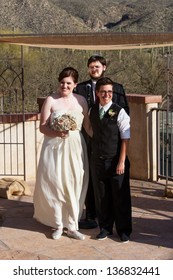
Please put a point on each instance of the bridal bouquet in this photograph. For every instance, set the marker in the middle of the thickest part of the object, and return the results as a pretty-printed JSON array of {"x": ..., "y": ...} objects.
[{"x": 64, "y": 122}]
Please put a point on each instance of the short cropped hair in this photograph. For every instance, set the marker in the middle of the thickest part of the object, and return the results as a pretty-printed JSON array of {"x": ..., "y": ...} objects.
[
  {"x": 102, "y": 82},
  {"x": 95, "y": 58}
]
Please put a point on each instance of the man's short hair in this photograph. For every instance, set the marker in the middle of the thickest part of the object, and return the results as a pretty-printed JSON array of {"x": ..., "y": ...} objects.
[
  {"x": 102, "y": 82},
  {"x": 95, "y": 58}
]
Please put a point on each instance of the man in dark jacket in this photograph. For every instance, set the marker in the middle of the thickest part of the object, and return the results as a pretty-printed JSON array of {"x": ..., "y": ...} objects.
[{"x": 96, "y": 69}]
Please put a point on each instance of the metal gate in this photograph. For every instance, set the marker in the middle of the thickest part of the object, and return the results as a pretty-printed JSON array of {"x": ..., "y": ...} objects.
[
  {"x": 12, "y": 117},
  {"x": 165, "y": 130},
  {"x": 164, "y": 143}
]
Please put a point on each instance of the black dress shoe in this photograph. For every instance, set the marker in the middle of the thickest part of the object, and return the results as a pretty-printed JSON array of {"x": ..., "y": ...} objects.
[
  {"x": 124, "y": 238},
  {"x": 103, "y": 234},
  {"x": 87, "y": 224}
]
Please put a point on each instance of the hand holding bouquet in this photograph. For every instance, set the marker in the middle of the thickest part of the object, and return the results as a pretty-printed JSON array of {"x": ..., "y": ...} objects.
[{"x": 64, "y": 122}]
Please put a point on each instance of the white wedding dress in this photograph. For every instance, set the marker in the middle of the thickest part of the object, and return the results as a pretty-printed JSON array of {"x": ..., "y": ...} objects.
[{"x": 62, "y": 178}]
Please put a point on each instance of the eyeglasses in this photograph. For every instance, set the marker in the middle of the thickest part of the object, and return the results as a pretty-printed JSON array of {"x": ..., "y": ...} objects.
[{"x": 103, "y": 92}]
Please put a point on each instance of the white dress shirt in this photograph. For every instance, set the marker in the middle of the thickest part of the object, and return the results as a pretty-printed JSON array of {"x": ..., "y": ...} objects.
[
  {"x": 123, "y": 121},
  {"x": 93, "y": 87}
]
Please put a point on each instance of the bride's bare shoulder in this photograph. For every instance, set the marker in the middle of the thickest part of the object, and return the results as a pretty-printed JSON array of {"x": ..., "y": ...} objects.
[{"x": 53, "y": 95}]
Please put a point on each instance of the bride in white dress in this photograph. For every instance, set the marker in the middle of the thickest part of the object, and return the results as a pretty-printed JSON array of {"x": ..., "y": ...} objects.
[{"x": 62, "y": 176}]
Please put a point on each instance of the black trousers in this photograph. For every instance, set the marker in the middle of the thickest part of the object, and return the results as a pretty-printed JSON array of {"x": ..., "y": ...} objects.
[
  {"x": 90, "y": 201},
  {"x": 112, "y": 195}
]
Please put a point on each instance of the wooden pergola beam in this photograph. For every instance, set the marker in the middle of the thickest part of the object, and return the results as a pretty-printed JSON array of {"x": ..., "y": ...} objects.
[{"x": 91, "y": 41}]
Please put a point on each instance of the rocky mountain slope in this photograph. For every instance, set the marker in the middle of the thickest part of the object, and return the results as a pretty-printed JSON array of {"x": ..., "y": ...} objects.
[{"x": 57, "y": 16}]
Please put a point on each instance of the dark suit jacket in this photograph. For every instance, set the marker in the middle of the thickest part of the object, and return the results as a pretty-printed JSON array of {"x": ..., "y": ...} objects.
[{"x": 119, "y": 97}]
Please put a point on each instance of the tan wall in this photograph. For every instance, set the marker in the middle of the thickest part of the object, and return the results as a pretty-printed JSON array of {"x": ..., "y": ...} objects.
[{"x": 142, "y": 147}]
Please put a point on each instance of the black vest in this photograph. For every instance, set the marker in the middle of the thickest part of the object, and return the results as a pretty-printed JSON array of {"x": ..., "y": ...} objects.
[{"x": 106, "y": 140}]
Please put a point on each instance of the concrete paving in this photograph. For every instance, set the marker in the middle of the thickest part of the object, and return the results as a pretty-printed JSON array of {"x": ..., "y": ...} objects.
[{"x": 23, "y": 238}]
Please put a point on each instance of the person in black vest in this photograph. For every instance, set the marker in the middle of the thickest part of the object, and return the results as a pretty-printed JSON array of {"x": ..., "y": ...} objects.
[
  {"x": 96, "y": 68},
  {"x": 110, "y": 164}
]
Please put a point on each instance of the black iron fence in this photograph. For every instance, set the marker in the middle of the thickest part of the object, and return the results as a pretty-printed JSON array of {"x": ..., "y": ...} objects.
[
  {"x": 164, "y": 143},
  {"x": 12, "y": 120}
]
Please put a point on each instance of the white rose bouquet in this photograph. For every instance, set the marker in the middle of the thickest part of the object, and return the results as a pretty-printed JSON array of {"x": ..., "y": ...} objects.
[{"x": 64, "y": 122}]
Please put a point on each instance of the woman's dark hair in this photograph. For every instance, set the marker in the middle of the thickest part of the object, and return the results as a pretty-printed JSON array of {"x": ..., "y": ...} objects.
[
  {"x": 69, "y": 72},
  {"x": 102, "y": 82},
  {"x": 95, "y": 58}
]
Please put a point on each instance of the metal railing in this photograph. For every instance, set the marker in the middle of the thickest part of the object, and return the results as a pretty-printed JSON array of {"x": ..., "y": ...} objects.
[
  {"x": 12, "y": 119},
  {"x": 164, "y": 143}
]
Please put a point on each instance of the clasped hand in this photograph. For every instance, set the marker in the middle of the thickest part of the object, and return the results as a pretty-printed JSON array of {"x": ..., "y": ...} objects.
[{"x": 65, "y": 134}]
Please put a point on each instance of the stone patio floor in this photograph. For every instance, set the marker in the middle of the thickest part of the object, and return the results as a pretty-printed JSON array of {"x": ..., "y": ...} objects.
[{"x": 23, "y": 238}]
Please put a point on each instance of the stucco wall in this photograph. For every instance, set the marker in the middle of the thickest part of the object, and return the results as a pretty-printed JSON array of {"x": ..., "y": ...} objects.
[{"x": 142, "y": 147}]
